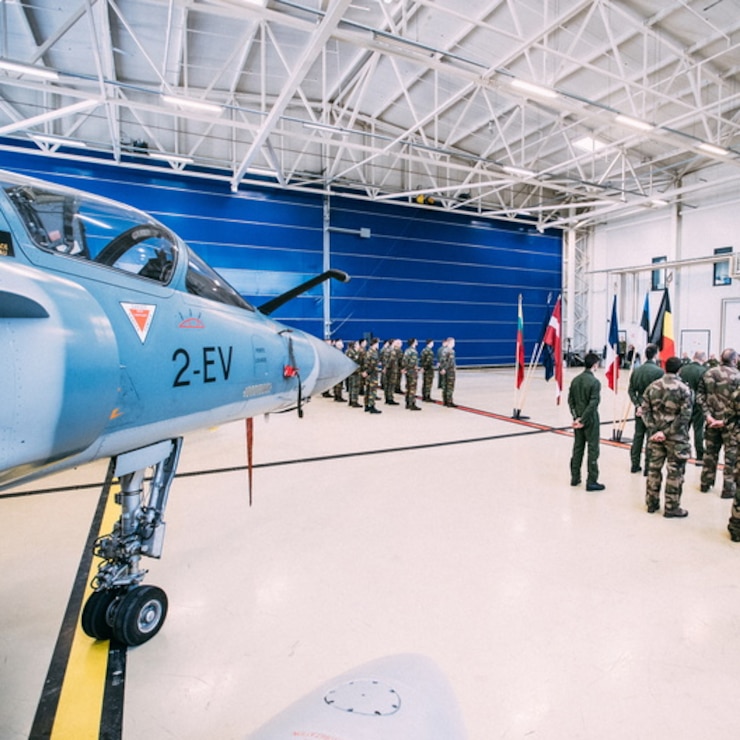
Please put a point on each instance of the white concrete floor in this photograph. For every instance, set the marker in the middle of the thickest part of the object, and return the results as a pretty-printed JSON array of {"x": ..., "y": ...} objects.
[{"x": 554, "y": 613}]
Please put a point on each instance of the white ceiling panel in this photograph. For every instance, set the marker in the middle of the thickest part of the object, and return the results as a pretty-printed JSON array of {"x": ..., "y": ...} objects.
[{"x": 389, "y": 100}]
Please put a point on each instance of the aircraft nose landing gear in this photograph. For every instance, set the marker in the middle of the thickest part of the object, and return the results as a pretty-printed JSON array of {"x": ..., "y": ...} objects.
[
  {"x": 121, "y": 607},
  {"x": 130, "y": 617}
]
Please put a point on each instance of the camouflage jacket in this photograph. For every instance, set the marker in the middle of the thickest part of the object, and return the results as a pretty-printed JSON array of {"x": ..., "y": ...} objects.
[
  {"x": 447, "y": 360},
  {"x": 394, "y": 359},
  {"x": 735, "y": 409},
  {"x": 714, "y": 390},
  {"x": 666, "y": 407},
  {"x": 370, "y": 361},
  {"x": 410, "y": 360},
  {"x": 427, "y": 358},
  {"x": 354, "y": 354}
]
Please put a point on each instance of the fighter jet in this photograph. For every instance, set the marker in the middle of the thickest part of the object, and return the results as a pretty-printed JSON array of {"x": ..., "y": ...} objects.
[{"x": 117, "y": 340}]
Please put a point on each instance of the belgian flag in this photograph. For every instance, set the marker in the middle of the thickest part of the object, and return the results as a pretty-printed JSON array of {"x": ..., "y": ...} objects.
[{"x": 662, "y": 333}]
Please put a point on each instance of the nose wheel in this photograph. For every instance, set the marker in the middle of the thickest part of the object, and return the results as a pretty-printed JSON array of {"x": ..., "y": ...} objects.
[{"x": 131, "y": 617}]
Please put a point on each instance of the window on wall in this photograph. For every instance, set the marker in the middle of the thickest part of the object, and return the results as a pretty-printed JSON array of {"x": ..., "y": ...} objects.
[
  {"x": 722, "y": 267},
  {"x": 657, "y": 279}
]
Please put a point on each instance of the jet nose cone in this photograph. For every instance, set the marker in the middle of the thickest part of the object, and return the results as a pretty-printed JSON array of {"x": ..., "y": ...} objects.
[{"x": 333, "y": 366}]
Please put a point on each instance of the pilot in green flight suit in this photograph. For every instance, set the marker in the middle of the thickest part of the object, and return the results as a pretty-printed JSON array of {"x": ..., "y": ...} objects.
[{"x": 583, "y": 399}]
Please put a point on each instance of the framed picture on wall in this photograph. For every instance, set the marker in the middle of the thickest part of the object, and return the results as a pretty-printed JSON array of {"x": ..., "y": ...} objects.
[{"x": 694, "y": 340}]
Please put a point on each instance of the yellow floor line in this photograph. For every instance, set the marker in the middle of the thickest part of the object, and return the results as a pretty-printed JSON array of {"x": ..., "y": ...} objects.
[{"x": 80, "y": 706}]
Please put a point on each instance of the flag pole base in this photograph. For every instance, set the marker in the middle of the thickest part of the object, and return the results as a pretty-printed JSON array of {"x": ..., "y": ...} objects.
[
  {"x": 617, "y": 435},
  {"x": 518, "y": 415}
]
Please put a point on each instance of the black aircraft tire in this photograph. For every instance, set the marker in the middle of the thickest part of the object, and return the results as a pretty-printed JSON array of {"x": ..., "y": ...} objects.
[
  {"x": 94, "y": 619},
  {"x": 140, "y": 615}
]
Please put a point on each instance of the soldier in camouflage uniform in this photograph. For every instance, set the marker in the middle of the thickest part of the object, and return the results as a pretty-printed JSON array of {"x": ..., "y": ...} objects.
[
  {"x": 370, "y": 374},
  {"x": 398, "y": 350},
  {"x": 666, "y": 411},
  {"x": 337, "y": 390},
  {"x": 447, "y": 371},
  {"x": 391, "y": 361},
  {"x": 384, "y": 354},
  {"x": 440, "y": 354},
  {"x": 410, "y": 368},
  {"x": 734, "y": 409},
  {"x": 640, "y": 379},
  {"x": 584, "y": 395},
  {"x": 691, "y": 374},
  {"x": 355, "y": 380},
  {"x": 426, "y": 360},
  {"x": 391, "y": 371},
  {"x": 714, "y": 391}
]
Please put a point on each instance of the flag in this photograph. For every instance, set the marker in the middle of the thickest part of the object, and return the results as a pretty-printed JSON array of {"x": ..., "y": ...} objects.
[
  {"x": 553, "y": 338},
  {"x": 645, "y": 320},
  {"x": 662, "y": 333},
  {"x": 612, "y": 351},
  {"x": 545, "y": 349},
  {"x": 520, "y": 346}
]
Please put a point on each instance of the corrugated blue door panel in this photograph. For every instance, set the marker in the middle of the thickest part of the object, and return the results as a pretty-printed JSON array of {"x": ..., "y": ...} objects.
[{"x": 421, "y": 273}]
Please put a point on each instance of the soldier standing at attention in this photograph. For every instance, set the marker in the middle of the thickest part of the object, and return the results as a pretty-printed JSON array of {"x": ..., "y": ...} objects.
[
  {"x": 690, "y": 374},
  {"x": 440, "y": 354},
  {"x": 584, "y": 395},
  {"x": 733, "y": 525},
  {"x": 384, "y": 354},
  {"x": 354, "y": 381},
  {"x": 715, "y": 389},
  {"x": 397, "y": 357},
  {"x": 426, "y": 360},
  {"x": 447, "y": 371},
  {"x": 639, "y": 380},
  {"x": 666, "y": 411},
  {"x": 391, "y": 369},
  {"x": 338, "y": 397},
  {"x": 370, "y": 374},
  {"x": 410, "y": 367}
]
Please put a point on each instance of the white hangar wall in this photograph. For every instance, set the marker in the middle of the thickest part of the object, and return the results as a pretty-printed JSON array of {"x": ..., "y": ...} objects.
[{"x": 620, "y": 254}]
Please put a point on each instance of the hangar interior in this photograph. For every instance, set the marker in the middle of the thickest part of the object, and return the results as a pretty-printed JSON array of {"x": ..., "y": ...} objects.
[{"x": 450, "y": 159}]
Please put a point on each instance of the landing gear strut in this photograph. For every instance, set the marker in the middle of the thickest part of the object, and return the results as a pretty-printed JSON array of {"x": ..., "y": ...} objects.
[{"x": 120, "y": 606}]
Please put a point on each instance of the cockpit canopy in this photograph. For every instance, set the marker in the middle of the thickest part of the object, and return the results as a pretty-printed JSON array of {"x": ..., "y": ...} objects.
[{"x": 84, "y": 227}]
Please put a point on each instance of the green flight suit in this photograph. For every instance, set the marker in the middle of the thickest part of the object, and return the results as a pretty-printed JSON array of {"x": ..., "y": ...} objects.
[{"x": 583, "y": 399}]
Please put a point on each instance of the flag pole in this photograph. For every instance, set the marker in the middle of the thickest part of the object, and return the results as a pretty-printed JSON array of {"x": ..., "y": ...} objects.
[{"x": 518, "y": 365}]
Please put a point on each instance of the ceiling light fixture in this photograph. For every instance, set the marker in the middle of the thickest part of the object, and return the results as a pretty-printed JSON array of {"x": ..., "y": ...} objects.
[
  {"x": 543, "y": 92},
  {"x": 51, "y": 140},
  {"x": 27, "y": 69},
  {"x": 171, "y": 158},
  {"x": 326, "y": 127},
  {"x": 519, "y": 171},
  {"x": 712, "y": 149},
  {"x": 589, "y": 144},
  {"x": 634, "y": 123},
  {"x": 196, "y": 105}
]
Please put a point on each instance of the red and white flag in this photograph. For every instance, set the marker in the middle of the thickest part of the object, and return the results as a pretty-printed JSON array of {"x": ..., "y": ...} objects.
[
  {"x": 612, "y": 351},
  {"x": 553, "y": 338}
]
